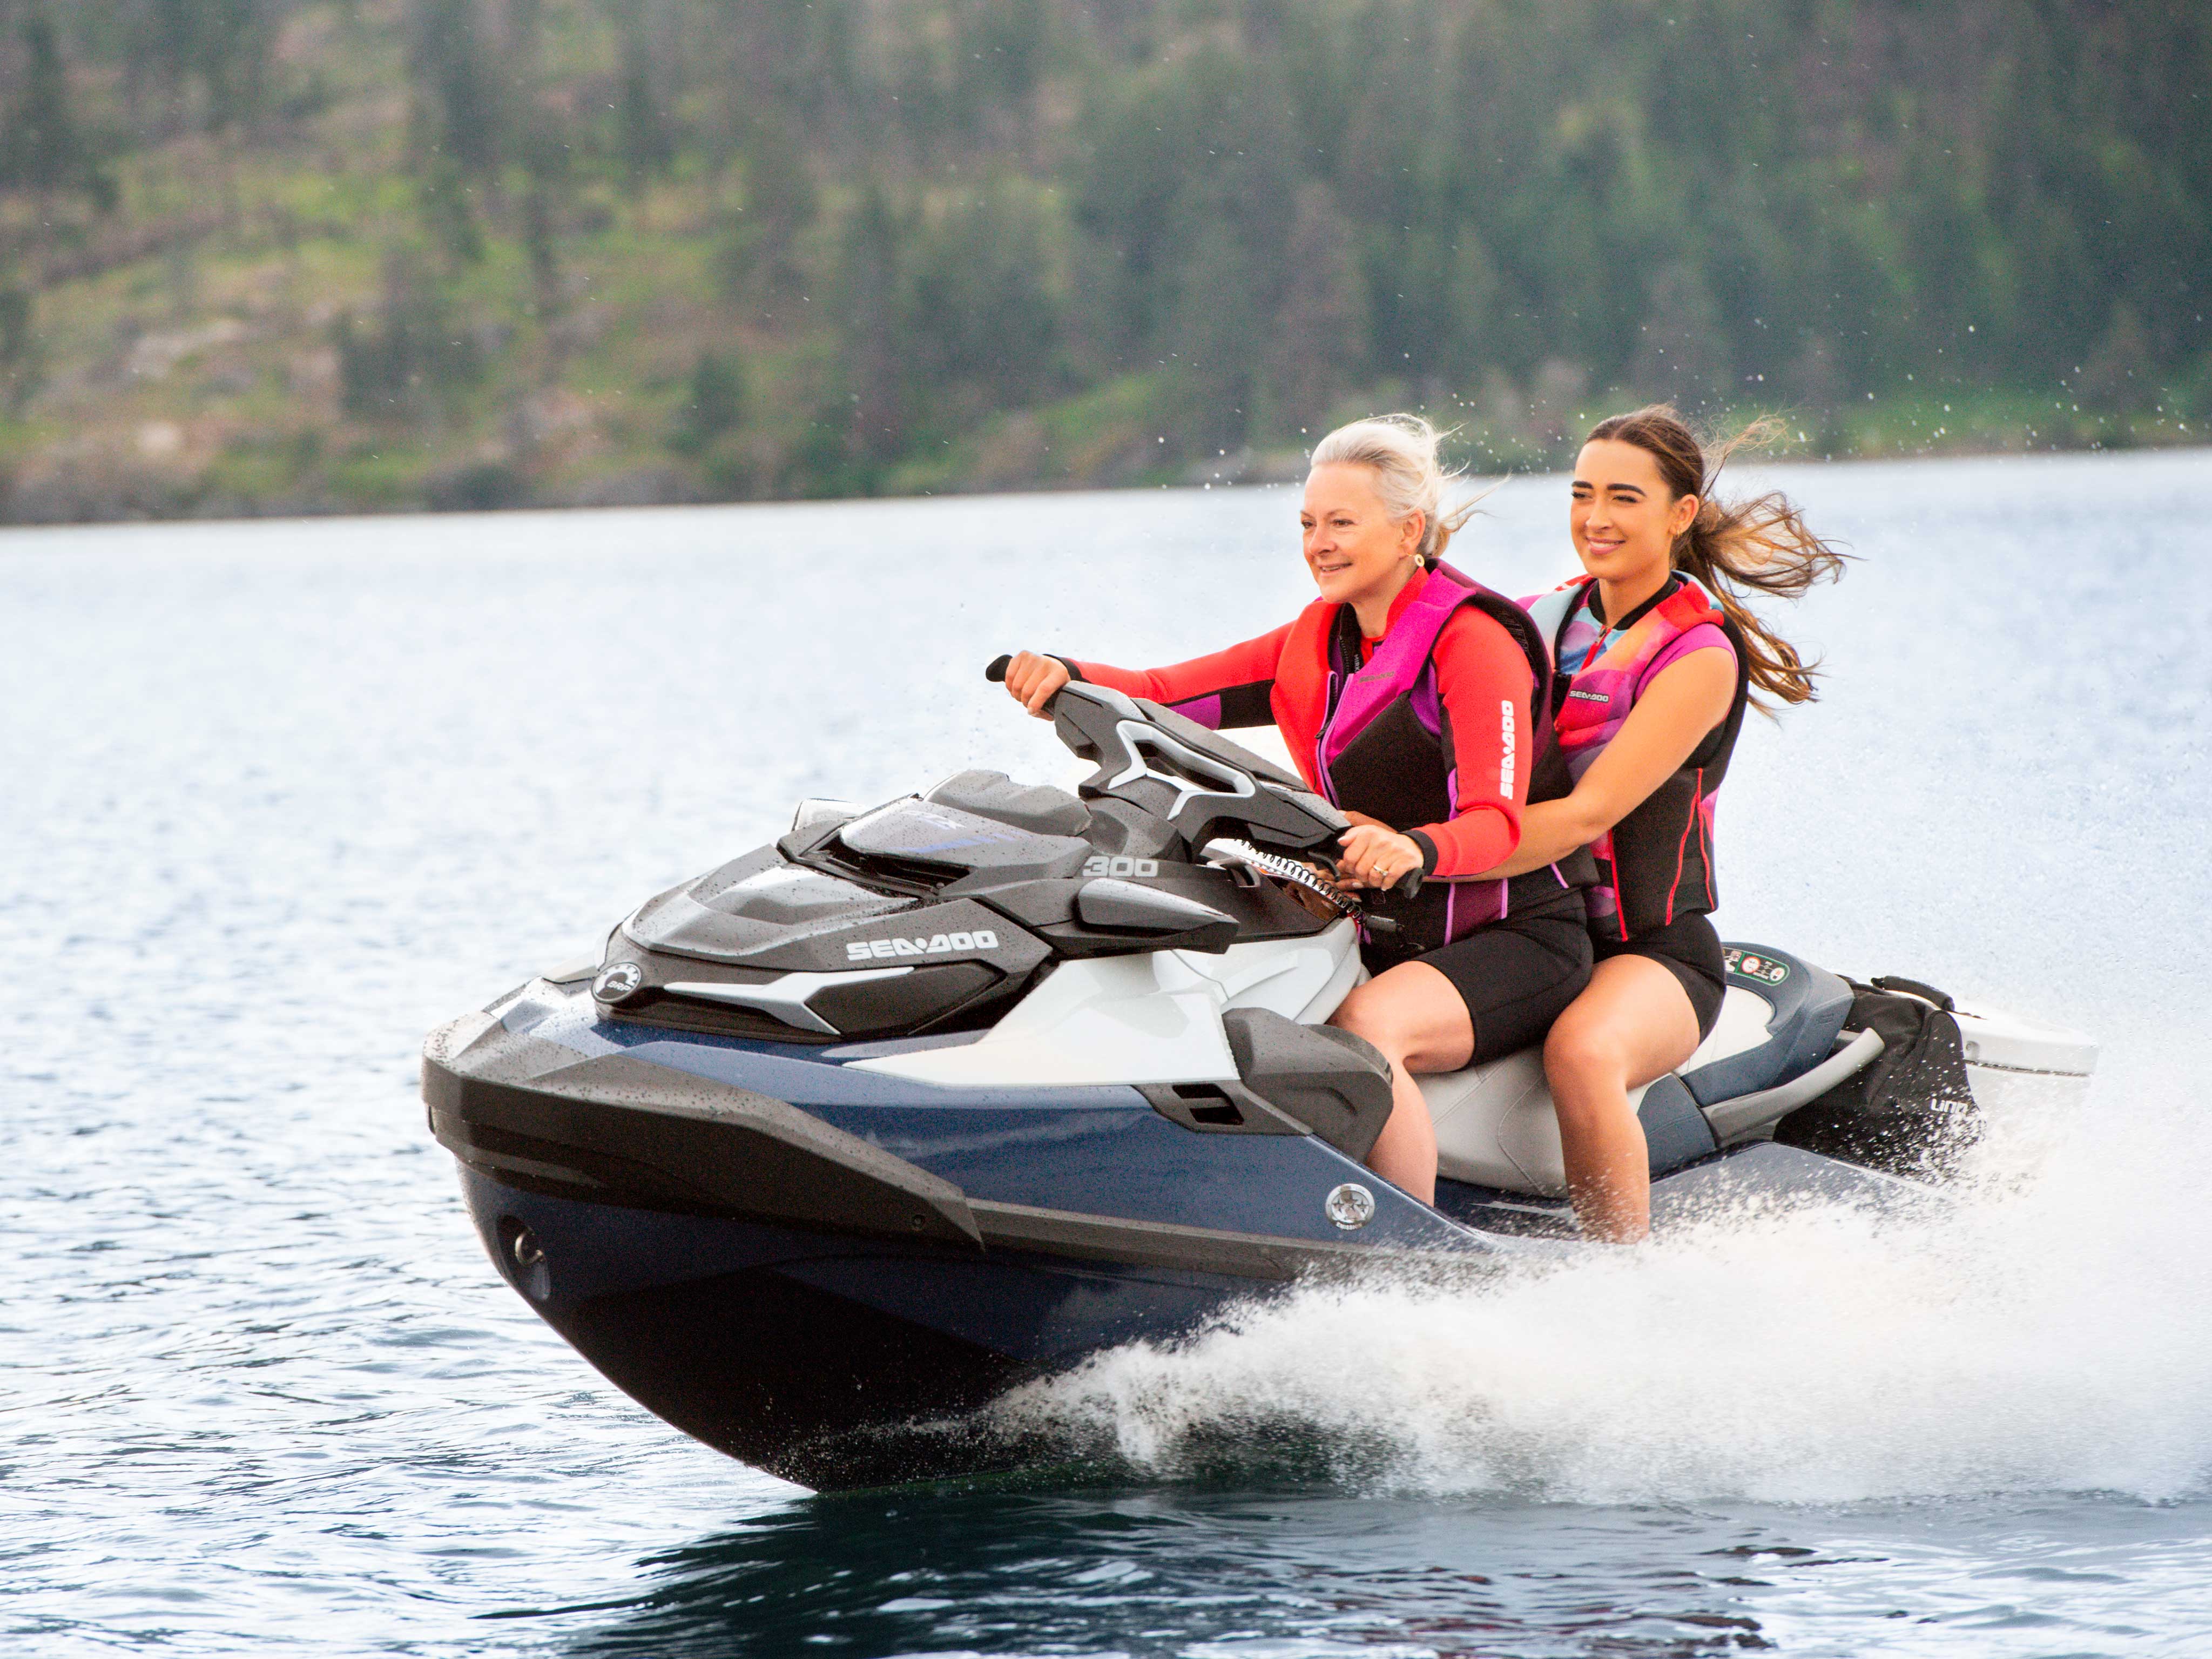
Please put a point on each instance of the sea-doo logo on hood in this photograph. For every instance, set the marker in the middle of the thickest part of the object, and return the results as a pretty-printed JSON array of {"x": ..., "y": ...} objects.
[{"x": 937, "y": 944}]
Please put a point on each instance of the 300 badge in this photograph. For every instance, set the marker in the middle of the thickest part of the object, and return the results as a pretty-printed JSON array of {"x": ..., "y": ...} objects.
[{"x": 1100, "y": 864}]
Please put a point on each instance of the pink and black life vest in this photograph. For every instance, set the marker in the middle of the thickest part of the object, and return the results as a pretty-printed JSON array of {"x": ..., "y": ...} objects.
[
  {"x": 1655, "y": 864},
  {"x": 1385, "y": 746}
]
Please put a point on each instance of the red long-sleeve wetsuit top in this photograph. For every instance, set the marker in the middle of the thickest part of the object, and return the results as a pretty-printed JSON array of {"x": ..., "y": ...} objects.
[{"x": 1484, "y": 687}]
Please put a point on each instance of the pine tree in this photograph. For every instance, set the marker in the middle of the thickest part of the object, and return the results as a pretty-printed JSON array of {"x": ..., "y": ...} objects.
[
  {"x": 714, "y": 402},
  {"x": 40, "y": 150},
  {"x": 1319, "y": 340},
  {"x": 874, "y": 355},
  {"x": 647, "y": 147}
]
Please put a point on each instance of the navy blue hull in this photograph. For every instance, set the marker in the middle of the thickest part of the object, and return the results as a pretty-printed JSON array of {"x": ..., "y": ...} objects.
[
  {"x": 828, "y": 1273},
  {"x": 825, "y": 1271},
  {"x": 829, "y": 1361}
]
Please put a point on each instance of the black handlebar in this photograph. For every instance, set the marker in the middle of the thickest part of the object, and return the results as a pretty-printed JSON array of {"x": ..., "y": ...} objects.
[{"x": 1406, "y": 886}]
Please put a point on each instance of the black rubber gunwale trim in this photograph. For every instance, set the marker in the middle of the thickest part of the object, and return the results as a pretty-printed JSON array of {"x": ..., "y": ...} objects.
[{"x": 650, "y": 1139}]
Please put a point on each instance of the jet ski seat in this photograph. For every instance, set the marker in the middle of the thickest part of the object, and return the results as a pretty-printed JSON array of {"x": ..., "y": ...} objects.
[
  {"x": 1036, "y": 807},
  {"x": 1781, "y": 1017}
]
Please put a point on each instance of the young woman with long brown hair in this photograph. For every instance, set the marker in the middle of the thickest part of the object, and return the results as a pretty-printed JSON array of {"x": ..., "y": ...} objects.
[{"x": 1655, "y": 655}]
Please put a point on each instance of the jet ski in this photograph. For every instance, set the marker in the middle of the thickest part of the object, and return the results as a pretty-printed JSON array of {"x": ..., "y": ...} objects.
[{"x": 834, "y": 1145}]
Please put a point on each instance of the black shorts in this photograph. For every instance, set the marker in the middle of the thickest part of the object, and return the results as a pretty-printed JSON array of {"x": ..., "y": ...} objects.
[
  {"x": 1517, "y": 975},
  {"x": 1688, "y": 948}
]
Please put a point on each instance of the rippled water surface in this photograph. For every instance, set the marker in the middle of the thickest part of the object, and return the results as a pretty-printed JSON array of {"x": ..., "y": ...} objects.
[{"x": 275, "y": 799}]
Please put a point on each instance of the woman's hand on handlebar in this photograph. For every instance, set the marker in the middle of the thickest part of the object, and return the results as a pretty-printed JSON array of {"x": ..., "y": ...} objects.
[
  {"x": 1032, "y": 680},
  {"x": 1375, "y": 856}
]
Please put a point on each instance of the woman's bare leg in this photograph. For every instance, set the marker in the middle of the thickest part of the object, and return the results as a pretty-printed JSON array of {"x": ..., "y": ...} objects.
[
  {"x": 1414, "y": 1015},
  {"x": 1632, "y": 1024}
]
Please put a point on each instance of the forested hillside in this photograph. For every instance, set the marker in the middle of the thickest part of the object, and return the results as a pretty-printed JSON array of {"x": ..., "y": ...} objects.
[{"x": 304, "y": 255}]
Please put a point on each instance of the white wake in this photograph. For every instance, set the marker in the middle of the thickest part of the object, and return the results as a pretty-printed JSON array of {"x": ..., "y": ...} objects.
[{"x": 2053, "y": 1331}]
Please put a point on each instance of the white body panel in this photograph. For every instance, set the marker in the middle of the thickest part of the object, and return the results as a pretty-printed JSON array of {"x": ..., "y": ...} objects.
[
  {"x": 1151, "y": 1018},
  {"x": 1300, "y": 979},
  {"x": 1998, "y": 1041},
  {"x": 786, "y": 997}
]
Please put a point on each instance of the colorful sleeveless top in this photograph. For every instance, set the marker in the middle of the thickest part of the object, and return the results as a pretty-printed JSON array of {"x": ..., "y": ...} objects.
[{"x": 1656, "y": 863}]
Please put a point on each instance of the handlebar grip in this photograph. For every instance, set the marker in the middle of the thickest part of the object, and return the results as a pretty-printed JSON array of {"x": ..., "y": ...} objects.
[
  {"x": 996, "y": 673},
  {"x": 1408, "y": 885}
]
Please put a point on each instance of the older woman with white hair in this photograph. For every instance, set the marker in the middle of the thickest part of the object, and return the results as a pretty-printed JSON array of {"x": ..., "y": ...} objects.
[{"x": 1417, "y": 700}]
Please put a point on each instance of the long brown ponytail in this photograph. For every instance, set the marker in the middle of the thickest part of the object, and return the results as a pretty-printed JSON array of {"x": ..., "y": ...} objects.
[{"x": 1763, "y": 543}]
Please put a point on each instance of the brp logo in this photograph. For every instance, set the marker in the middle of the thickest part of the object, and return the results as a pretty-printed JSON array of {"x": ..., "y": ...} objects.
[
  {"x": 617, "y": 981},
  {"x": 1350, "y": 1206}
]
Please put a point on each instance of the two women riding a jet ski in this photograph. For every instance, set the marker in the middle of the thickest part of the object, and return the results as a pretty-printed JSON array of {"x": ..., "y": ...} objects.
[
  {"x": 1543, "y": 774},
  {"x": 821, "y": 1151}
]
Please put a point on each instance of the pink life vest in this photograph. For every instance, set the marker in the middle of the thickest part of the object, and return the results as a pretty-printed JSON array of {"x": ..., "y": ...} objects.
[
  {"x": 1382, "y": 749},
  {"x": 1656, "y": 863}
]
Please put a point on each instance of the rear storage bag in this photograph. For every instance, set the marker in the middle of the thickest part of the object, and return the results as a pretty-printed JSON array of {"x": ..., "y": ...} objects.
[{"x": 1911, "y": 1112}]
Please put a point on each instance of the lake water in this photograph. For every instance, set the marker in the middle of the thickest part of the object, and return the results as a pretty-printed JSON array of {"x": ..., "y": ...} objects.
[{"x": 276, "y": 797}]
